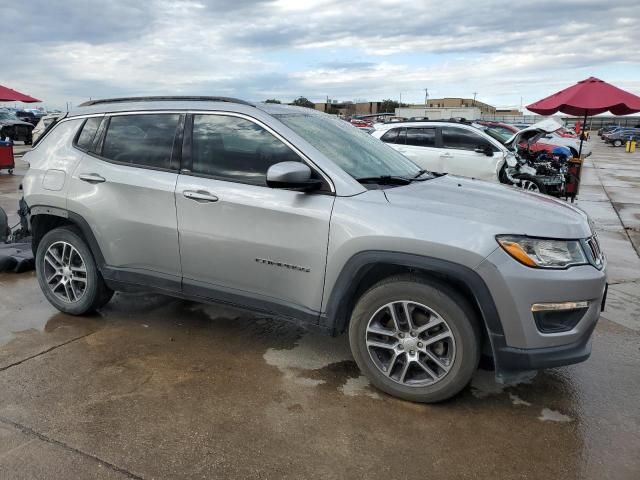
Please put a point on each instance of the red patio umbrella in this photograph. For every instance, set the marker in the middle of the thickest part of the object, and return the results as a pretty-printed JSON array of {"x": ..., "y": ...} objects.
[
  {"x": 588, "y": 97},
  {"x": 10, "y": 95}
]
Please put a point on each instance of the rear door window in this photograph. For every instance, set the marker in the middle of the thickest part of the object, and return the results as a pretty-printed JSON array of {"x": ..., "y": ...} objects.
[
  {"x": 421, "y": 137},
  {"x": 145, "y": 140}
]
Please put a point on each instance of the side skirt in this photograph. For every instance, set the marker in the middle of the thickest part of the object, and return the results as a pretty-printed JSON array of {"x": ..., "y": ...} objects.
[{"x": 122, "y": 280}]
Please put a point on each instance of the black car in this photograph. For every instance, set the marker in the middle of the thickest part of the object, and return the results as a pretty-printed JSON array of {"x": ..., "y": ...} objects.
[
  {"x": 30, "y": 117},
  {"x": 620, "y": 137},
  {"x": 14, "y": 128}
]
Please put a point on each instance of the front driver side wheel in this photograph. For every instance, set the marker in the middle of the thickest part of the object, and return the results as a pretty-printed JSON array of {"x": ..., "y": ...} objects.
[
  {"x": 67, "y": 273},
  {"x": 415, "y": 339}
]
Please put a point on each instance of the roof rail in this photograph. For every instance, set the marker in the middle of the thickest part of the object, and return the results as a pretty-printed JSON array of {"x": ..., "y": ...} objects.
[{"x": 164, "y": 99}]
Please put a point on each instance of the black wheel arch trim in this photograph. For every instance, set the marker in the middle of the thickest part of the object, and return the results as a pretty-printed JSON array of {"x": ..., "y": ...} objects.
[
  {"x": 356, "y": 268},
  {"x": 76, "y": 220}
]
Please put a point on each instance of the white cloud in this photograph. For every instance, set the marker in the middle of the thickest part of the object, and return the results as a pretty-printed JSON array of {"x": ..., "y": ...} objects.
[{"x": 68, "y": 51}]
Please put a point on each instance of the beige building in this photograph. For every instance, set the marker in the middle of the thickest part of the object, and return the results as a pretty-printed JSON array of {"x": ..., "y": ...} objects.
[
  {"x": 457, "y": 103},
  {"x": 433, "y": 113},
  {"x": 348, "y": 109}
]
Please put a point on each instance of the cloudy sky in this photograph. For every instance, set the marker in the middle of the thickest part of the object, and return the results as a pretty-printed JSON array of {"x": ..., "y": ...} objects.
[{"x": 71, "y": 50}]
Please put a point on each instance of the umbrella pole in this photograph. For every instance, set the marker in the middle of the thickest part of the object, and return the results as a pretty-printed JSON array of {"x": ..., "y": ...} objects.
[{"x": 584, "y": 125}]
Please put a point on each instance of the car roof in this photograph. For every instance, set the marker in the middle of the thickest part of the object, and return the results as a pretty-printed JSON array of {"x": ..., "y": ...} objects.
[
  {"x": 125, "y": 104},
  {"x": 133, "y": 104}
]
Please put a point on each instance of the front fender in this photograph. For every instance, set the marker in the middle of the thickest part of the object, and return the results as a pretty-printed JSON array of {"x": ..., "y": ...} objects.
[{"x": 337, "y": 311}]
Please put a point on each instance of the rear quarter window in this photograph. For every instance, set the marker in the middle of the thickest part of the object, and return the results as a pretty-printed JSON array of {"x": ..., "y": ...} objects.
[{"x": 88, "y": 132}]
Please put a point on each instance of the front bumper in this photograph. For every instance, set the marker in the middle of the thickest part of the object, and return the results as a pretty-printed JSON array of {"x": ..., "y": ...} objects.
[{"x": 515, "y": 288}]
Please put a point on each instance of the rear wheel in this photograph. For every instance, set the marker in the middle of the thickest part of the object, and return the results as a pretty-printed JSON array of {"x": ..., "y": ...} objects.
[
  {"x": 617, "y": 143},
  {"x": 415, "y": 339},
  {"x": 67, "y": 273}
]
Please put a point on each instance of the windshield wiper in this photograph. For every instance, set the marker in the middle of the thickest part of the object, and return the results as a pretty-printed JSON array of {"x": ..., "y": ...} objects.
[{"x": 385, "y": 180}]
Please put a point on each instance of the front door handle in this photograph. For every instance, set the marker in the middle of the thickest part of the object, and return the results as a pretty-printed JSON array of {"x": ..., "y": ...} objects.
[
  {"x": 91, "y": 178},
  {"x": 200, "y": 196},
  {"x": 446, "y": 155}
]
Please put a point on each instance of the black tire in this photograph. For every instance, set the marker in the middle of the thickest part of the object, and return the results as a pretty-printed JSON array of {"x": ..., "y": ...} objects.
[
  {"x": 449, "y": 305},
  {"x": 4, "y": 133},
  {"x": 526, "y": 180},
  {"x": 502, "y": 176},
  {"x": 95, "y": 295},
  {"x": 617, "y": 143}
]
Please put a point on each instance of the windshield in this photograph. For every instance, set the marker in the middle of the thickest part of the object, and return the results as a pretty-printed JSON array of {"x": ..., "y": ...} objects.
[
  {"x": 502, "y": 135},
  {"x": 356, "y": 152},
  {"x": 6, "y": 116}
]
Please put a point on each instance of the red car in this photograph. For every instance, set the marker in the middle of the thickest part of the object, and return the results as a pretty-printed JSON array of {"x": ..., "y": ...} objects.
[{"x": 357, "y": 122}]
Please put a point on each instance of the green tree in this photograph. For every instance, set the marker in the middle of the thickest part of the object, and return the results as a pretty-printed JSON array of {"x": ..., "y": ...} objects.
[
  {"x": 272, "y": 100},
  {"x": 389, "y": 106},
  {"x": 303, "y": 102}
]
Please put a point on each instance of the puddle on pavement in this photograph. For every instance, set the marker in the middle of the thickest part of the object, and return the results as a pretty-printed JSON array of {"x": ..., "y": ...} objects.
[{"x": 548, "y": 415}]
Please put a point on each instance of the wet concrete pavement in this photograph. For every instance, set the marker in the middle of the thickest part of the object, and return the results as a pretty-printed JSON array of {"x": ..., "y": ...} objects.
[{"x": 161, "y": 388}]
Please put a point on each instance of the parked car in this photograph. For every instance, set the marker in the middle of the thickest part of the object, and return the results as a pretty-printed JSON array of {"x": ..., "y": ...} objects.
[
  {"x": 542, "y": 171},
  {"x": 15, "y": 129},
  {"x": 620, "y": 136},
  {"x": 28, "y": 116},
  {"x": 447, "y": 147},
  {"x": 550, "y": 141},
  {"x": 606, "y": 129},
  {"x": 42, "y": 125},
  {"x": 294, "y": 214}
]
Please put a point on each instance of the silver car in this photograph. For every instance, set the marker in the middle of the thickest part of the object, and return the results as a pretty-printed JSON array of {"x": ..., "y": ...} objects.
[{"x": 297, "y": 215}]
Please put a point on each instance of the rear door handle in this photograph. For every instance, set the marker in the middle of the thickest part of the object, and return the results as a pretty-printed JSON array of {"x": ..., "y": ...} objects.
[
  {"x": 446, "y": 155},
  {"x": 199, "y": 196},
  {"x": 91, "y": 178}
]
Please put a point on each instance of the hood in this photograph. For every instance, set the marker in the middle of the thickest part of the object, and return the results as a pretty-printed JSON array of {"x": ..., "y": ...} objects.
[
  {"x": 508, "y": 210},
  {"x": 532, "y": 133}
]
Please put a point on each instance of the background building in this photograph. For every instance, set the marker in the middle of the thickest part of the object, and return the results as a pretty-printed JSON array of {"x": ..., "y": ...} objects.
[
  {"x": 348, "y": 109},
  {"x": 454, "y": 102},
  {"x": 445, "y": 108},
  {"x": 433, "y": 113}
]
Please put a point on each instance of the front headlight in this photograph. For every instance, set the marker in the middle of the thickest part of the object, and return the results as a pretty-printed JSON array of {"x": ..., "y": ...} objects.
[{"x": 543, "y": 253}]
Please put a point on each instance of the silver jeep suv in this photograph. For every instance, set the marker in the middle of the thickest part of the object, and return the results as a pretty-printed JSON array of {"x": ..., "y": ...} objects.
[{"x": 298, "y": 215}]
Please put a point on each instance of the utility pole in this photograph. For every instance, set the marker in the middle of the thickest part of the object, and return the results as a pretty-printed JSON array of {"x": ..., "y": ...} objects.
[
  {"x": 474, "y": 98},
  {"x": 426, "y": 99}
]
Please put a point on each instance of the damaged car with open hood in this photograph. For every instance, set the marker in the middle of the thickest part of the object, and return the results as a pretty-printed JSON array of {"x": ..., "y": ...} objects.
[{"x": 532, "y": 169}]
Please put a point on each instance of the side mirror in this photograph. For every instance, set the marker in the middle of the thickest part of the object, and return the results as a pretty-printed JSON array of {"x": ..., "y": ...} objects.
[
  {"x": 487, "y": 150},
  {"x": 292, "y": 176}
]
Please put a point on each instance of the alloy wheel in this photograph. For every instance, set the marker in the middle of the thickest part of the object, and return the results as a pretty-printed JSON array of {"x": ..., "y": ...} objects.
[
  {"x": 410, "y": 343},
  {"x": 529, "y": 185},
  {"x": 65, "y": 272}
]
